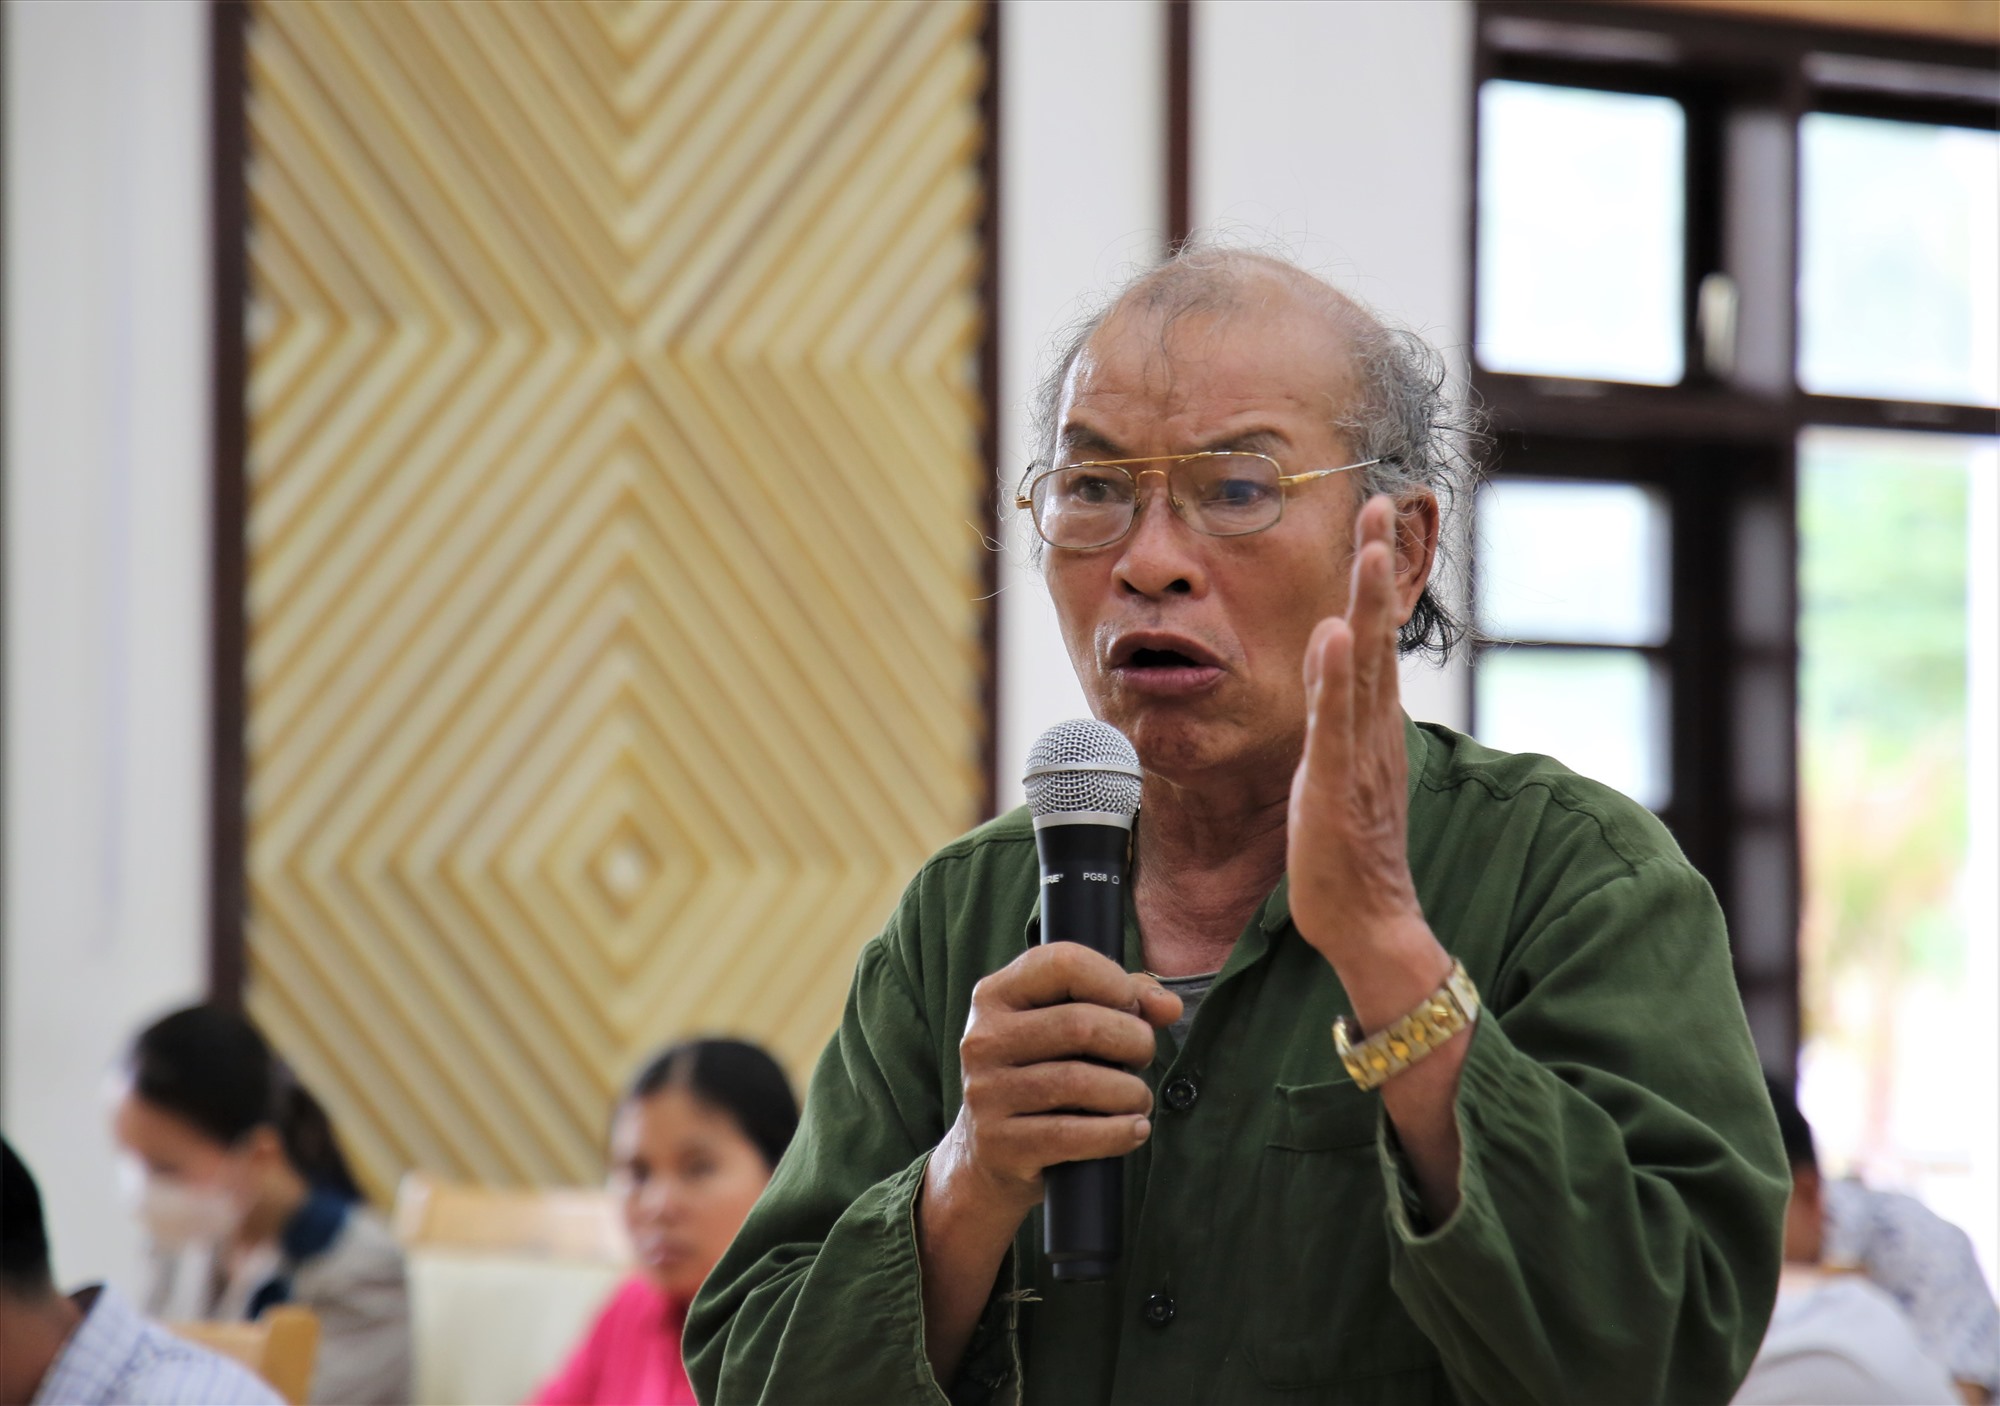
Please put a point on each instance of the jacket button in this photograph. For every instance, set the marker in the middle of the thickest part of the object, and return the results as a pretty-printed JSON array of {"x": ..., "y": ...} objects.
[
  {"x": 1180, "y": 1095},
  {"x": 1159, "y": 1310}
]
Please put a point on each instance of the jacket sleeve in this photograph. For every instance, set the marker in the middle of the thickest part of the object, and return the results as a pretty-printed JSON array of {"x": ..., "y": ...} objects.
[
  {"x": 360, "y": 1291},
  {"x": 818, "y": 1298},
  {"x": 1620, "y": 1226}
]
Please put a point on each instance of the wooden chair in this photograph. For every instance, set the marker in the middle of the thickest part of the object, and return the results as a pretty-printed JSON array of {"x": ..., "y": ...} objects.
[
  {"x": 502, "y": 1283},
  {"x": 280, "y": 1346},
  {"x": 563, "y": 1223}
]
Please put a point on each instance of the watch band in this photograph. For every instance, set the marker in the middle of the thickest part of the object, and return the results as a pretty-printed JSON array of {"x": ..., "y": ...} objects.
[{"x": 1372, "y": 1062}]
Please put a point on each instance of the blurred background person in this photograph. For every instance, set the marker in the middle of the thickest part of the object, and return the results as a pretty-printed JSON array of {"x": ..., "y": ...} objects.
[
  {"x": 239, "y": 1182},
  {"x": 692, "y": 1146},
  {"x": 92, "y": 1346},
  {"x": 1879, "y": 1293}
]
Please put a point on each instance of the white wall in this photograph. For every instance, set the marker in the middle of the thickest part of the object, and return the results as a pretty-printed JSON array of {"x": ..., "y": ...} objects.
[
  {"x": 106, "y": 559},
  {"x": 1340, "y": 131},
  {"x": 1082, "y": 205}
]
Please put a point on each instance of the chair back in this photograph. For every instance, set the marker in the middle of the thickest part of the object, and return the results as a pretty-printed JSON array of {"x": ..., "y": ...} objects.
[
  {"x": 280, "y": 1346},
  {"x": 564, "y": 1223}
]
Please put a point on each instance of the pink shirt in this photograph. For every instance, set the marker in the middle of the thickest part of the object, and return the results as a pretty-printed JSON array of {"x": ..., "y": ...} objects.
[{"x": 631, "y": 1356}]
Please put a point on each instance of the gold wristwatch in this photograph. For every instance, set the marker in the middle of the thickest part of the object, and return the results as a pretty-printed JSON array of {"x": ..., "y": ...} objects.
[{"x": 1372, "y": 1062}]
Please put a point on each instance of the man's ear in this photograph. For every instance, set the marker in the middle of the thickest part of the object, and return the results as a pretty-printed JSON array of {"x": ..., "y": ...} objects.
[{"x": 1417, "y": 522}]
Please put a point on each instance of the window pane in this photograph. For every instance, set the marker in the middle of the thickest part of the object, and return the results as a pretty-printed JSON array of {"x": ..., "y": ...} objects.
[
  {"x": 1600, "y": 712},
  {"x": 1580, "y": 228},
  {"x": 1899, "y": 614},
  {"x": 1572, "y": 562},
  {"x": 1899, "y": 260}
]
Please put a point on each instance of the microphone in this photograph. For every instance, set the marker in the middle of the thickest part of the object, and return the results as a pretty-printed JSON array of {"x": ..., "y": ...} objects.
[{"x": 1082, "y": 782}]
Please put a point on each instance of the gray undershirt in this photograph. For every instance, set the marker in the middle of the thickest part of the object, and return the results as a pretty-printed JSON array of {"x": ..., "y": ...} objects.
[{"x": 1191, "y": 990}]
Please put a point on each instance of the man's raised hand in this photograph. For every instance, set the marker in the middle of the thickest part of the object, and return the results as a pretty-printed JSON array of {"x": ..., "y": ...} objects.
[{"x": 1347, "y": 850}]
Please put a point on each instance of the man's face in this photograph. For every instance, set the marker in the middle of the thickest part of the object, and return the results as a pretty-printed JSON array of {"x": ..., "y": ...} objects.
[{"x": 1193, "y": 645}]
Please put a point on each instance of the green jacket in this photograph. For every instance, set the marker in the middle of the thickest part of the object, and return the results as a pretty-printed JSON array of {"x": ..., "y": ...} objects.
[{"x": 1623, "y": 1187}]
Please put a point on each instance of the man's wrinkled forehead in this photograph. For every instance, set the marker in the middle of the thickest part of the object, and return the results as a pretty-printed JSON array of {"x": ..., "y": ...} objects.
[
  {"x": 1149, "y": 351},
  {"x": 1217, "y": 362}
]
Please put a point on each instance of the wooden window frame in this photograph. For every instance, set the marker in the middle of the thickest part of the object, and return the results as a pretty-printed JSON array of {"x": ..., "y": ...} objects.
[{"x": 1723, "y": 448}]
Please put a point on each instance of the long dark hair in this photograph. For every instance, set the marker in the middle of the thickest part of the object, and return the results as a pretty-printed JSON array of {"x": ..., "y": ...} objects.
[
  {"x": 211, "y": 1068},
  {"x": 734, "y": 1077}
]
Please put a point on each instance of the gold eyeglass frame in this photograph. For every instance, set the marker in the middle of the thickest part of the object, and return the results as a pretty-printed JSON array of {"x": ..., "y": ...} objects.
[{"x": 1026, "y": 500}]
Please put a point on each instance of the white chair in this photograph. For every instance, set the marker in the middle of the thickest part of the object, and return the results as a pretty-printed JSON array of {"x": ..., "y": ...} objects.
[{"x": 503, "y": 1283}]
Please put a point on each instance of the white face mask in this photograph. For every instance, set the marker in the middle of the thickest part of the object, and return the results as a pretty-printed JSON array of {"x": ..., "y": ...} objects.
[{"x": 175, "y": 1214}]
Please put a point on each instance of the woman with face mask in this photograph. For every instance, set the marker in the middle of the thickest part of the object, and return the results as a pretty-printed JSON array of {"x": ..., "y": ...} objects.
[
  {"x": 232, "y": 1168},
  {"x": 692, "y": 1145}
]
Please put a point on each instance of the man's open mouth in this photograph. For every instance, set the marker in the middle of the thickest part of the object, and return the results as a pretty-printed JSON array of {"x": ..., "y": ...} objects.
[
  {"x": 1165, "y": 664},
  {"x": 1161, "y": 649},
  {"x": 1162, "y": 659}
]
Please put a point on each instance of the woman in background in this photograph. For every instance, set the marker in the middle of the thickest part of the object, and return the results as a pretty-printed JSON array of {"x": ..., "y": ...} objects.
[
  {"x": 692, "y": 1146},
  {"x": 233, "y": 1169}
]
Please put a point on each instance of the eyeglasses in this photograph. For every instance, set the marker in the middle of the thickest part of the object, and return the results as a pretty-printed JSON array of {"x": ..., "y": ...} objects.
[{"x": 1230, "y": 494}]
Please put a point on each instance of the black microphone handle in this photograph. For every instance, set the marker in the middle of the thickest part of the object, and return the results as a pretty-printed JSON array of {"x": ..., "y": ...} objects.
[{"x": 1083, "y": 901}]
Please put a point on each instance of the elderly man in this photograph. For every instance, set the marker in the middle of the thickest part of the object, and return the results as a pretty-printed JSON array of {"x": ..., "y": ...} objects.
[{"x": 1573, "y": 1190}]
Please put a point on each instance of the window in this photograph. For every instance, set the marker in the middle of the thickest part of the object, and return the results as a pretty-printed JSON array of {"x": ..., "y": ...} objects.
[
  {"x": 1899, "y": 284},
  {"x": 1572, "y": 592},
  {"x": 1580, "y": 251},
  {"x": 1574, "y": 562},
  {"x": 1713, "y": 256},
  {"x": 1891, "y": 941}
]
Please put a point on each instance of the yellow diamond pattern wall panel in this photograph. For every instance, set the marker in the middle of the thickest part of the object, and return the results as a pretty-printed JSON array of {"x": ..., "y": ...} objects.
[{"x": 615, "y": 624}]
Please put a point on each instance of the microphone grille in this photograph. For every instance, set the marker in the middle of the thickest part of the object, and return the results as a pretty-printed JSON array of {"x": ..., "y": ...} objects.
[{"x": 1082, "y": 765}]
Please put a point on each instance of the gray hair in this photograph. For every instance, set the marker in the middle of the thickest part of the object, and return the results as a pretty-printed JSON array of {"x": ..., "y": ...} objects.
[{"x": 1407, "y": 415}]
